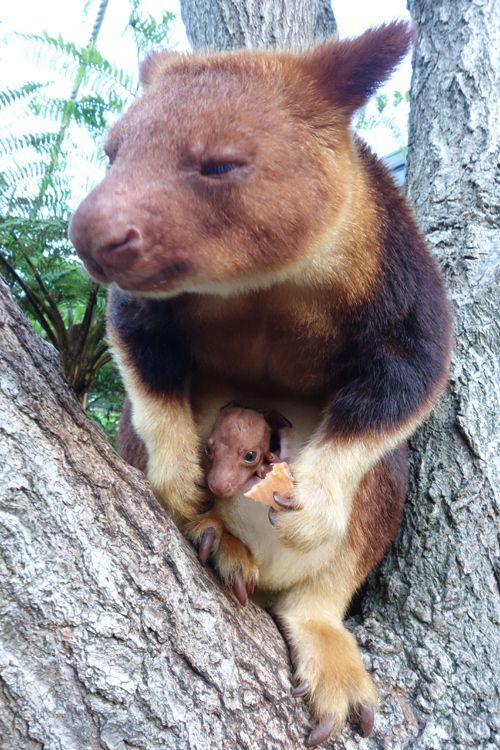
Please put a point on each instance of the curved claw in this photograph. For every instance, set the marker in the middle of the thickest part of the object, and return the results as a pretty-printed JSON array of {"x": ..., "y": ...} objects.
[
  {"x": 272, "y": 516},
  {"x": 287, "y": 503},
  {"x": 250, "y": 586},
  {"x": 321, "y": 731},
  {"x": 300, "y": 690},
  {"x": 206, "y": 544},
  {"x": 366, "y": 718},
  {"x": 239, "y": 588}
]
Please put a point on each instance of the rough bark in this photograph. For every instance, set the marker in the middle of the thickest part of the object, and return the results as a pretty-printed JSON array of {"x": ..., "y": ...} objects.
[
  {"x": 432, "y": 617},
  {"x": 231, "y": 24},
  {"x": 111, "y": 634}
]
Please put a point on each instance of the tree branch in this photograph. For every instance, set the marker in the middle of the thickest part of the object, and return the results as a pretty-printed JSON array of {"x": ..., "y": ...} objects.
[
  {"x": 127, "y": 637},
  {"x": 35, "y": 303}
]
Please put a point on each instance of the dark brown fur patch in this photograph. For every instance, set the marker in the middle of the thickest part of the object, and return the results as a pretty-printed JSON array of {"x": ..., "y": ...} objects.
[
  {"x": 397, "y": 343},
  {"x": 349, "y": 71},
  {"x": 377, "y": 510},
  {"x": 128, "y": 443}
]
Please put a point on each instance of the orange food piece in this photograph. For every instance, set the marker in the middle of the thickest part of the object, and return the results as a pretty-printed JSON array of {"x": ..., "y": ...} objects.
[{"x": 279, "y": 480}]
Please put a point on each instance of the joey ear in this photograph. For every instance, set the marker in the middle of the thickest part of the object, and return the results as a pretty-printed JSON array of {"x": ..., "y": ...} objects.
[
  {"x": 276, "y": 420},
  {"x": 231, "y": 405},
  {"x": 350, "y": 70},
  {"x": 154, "y": 64}
]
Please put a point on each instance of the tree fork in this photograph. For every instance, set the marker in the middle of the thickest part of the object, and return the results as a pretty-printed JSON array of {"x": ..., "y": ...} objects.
[{"x": 112, "y": 635}]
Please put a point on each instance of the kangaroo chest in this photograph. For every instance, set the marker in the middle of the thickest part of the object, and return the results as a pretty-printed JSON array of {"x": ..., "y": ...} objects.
[{"x": 266, "y": 339}]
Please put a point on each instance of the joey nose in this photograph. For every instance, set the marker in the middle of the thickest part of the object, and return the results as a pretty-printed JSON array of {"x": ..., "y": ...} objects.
[
  {"x": 220, "y": 489},
  {"x": 121, "y": 253}
]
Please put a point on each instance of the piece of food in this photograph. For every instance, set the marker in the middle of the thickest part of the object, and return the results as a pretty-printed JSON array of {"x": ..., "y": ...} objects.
[{"x": 278, "y": 480}]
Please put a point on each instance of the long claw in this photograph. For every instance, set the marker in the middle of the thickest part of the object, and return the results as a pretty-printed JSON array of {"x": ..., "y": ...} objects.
[
  {"x": 366, "y": 717},
  {"x": 321, "y": 731},
  {"x": 239, "y": 588},
  {"x": 206, "y": 544},
  {"x": 272, "y": 516},
  {"x": 300, "y": 690},
  {"x": 251, "y": 585},
  {"x": 287, "y": 503}
]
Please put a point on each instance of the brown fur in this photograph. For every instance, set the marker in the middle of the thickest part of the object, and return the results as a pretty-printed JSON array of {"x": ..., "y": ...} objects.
[
  {"x": 267, "y": 257},
  {"x": 129, "y": 444}
]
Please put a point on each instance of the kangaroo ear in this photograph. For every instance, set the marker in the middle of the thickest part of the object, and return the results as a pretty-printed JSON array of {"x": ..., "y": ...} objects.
[
  {"x": 349, "y": 71},
  {"x": 276, "y": 420},
  {"x": 154, "y": 64}
]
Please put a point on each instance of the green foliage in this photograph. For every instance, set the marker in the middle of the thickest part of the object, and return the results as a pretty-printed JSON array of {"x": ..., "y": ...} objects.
[
  {"x": 381, "y": 102},
  {"x": 92, "y": 112},
  {"x": 384, "y": 116},
  {"x": 85, "y": 63},
  {"x": 106, "y": 398},
  {"x": 47, "y": 142},
  {"x": 398, "y": 98},
  {"x": 147, "y": 30},
  {"x": 10, "y": 96}
]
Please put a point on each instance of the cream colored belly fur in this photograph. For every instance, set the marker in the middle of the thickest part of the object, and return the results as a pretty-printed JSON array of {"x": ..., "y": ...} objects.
[{"x": 280, "y": 566}]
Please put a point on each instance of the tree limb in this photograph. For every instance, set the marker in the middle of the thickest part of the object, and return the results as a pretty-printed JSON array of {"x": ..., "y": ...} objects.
[{"x": 106, "y": 611}]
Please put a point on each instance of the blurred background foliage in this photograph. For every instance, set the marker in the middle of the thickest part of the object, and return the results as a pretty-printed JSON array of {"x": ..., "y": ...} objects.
[{"x": 41, "y": 133}]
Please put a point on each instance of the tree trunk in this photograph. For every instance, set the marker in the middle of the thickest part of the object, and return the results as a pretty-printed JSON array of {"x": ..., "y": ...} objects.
[
  {"x": 432, "y": 615},
  {"x": 113, "y": 637},
  {"x": 231, "y": 24}
]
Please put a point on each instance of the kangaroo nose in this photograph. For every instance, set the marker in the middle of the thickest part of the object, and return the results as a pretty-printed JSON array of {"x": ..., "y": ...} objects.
[{"x": 121, "y": 254}]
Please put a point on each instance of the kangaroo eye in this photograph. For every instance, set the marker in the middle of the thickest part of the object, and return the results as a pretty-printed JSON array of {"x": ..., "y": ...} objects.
[
  {"x": 250, "y": 457},
  {"x": 208, "y": 450},
  {"x": 213, "y": 169},
  {"x": 111, "y": 150}
]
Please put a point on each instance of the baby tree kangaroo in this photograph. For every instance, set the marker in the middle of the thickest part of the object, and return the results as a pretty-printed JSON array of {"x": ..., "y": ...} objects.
[
  {"x": 245, "y": 447},
  {"x": 258, "y": 252},
  {"x": 243, "y": 444}
]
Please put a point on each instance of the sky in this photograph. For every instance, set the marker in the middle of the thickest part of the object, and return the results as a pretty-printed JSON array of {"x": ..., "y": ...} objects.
[
  {"x": 353, "y": 16},
  {"x": 67, "y": 17}
]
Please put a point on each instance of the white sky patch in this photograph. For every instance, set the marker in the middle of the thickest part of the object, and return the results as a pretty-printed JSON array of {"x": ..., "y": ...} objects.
[{"x": 73, "y": 19}]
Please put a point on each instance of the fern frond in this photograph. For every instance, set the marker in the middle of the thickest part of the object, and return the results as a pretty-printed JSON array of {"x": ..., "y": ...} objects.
[
  {"x": 66, "y": 53},
  {"x": 89, "y": 111},
  {"x": 10, "y": 96},
  {"x": 374, "y": 121},
  {"x": 19, "y": 199},
  {"x": 41, "y": 142},
  {"x": 19, "y": 174},
  {"x": 147, "y": 30}
]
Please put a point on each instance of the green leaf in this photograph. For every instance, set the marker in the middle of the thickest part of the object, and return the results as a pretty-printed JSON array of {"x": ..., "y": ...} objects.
[
  {"x": 8, "y": 96},
  {"x": 381, "y": 102}
]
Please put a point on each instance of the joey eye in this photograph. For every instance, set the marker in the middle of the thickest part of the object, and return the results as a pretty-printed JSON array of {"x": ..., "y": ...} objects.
[
  {"x": 213, "y": 169},
  {"x": 250, "y": 457}
]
